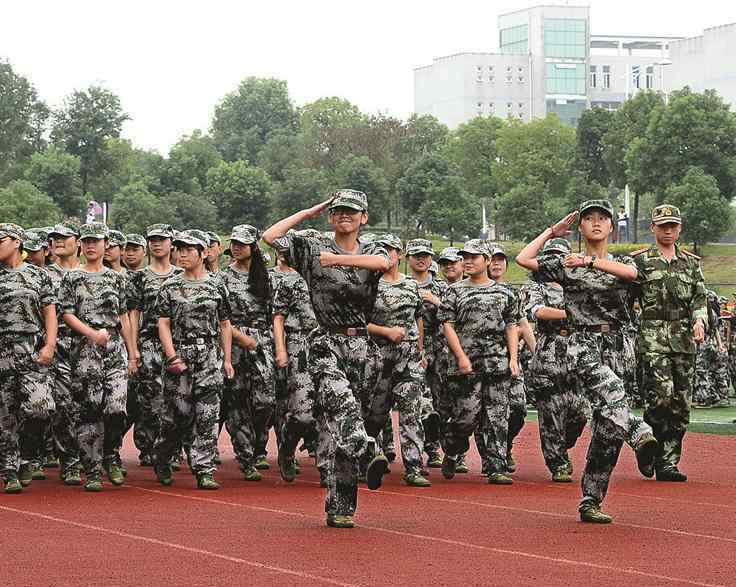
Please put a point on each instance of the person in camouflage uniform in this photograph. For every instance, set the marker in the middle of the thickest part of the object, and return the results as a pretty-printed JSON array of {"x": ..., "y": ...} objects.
[
  {"x": 293, "y": 321},
  {"x": 194, "y": 313},
  {"x": 561, "y": 408},
  {"x": 722, "y": 375},
  {"x": 596, "y": 295},
  {"x": 94, "y": 306},
  {"x": 134, "y": 252},
  {"x": 252, "y": 393},
  {"x": 36, "y": 246},
  {"x": 142, "y": 292},
  {"x": 479, "y": 318},
  {"x": 342, "y": 274},
  {"x": 27, "y": 344},
  {"x": 397, "y": 327},
  {"x": 65, "y": 245},
  {"x": 712, "y": 384},
  {"x": 673, "y": 318}
]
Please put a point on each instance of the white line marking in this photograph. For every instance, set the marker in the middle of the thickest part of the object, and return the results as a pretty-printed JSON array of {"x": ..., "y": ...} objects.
[{"x": 181, "y": 547}]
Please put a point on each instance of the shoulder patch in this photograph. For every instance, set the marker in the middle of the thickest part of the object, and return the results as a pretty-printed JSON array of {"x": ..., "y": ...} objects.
[
  {"x": 689, "y": 254},
  {"x": 639, "y": 252}
]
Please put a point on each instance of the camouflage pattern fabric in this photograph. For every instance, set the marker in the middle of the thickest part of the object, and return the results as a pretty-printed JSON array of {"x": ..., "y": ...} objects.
[
  {"x": 98, "y": 299},
  {"x": 711, "y": 372}
]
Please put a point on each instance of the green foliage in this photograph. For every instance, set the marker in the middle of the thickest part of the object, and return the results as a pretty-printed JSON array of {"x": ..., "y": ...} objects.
[
  {"x": 328, "y": 126},
  {"x": 192, "y": 211},
  {"x": 245, "y": 117},
  {"x": 412, "y": 189},
  {"x": 56, "y": 173},
  {"x": 360, "y": 173},
  {"x": 241, "y": 193},
  {"x": 424, "y": 135},
  {"x": 135, "y": 208},
  {"x": 301, "y": 188},
  {"x": 594, "y": 124},
  {"x": 450, "y": 209},
  {"x": 283, "y": 150},
  {"x": 189, "y": 161},
  {"x": 706, "y": 213},
  {"x": 472, "y": 149},
  {"x": 23, "y": 203}
]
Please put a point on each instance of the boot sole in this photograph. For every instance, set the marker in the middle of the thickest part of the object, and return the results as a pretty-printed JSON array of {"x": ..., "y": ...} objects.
[
  {"x": 377, "y": 468},
  {"x": 645, "y": 458},
  {"x": 288, "y": 475}
]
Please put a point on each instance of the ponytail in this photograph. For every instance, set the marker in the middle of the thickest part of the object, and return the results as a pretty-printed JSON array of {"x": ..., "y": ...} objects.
[{"x": 259, "y": 281}]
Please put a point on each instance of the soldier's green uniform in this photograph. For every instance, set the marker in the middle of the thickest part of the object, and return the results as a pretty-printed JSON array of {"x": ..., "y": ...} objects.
[
  {"x": 342, "y": 355},
  {"x": 252, "y": 393},
  {"x": 100, "y": 374},
  {"x": 192, "y": 398},
  {"x": 711, "y": 379},
  {"x": 26, "y": 402},
  {"x": 673, "y": 297}
]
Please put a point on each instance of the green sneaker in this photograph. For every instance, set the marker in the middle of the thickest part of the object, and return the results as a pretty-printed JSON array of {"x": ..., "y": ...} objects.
[
  {"x": 568, "y": 464},
  {"x": 51, "y": 463},
  {"x": 416, "y": 480},
  {"x": 251, "y": 474},
  {"x": 561, "y": 475},
  {"x": 262, "y": 464},
  {"x": 164, "y": 475},
  {"x": 590, "y": 512},
  {"x": 37, "y": 473},
  {"x": 206, "y": 482},
  {"x": 93, "y": 484},
  {"x": 25, "y": 475},
  {"x": 287, "y": 467},
  {"x": 72, "y": 478},
  {"x": 12, "y": 485},
  {"x": 646, "y": 452},
  {"x": 115, "y": 474},
  {"x": 510, "y": 464},
  {"x": 500, "y": 479},
  {"x": 434, "y": 461},
  {"x": 460, "y": 466},
  {"x": 338, "y": 521}
]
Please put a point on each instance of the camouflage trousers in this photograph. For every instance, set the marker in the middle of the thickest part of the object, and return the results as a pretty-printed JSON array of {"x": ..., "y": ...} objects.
[
  {"x": 400, "y": 386},
  {"x": 100, "y": 391},
  {"x": 295, "y": 408},
  {"x": 344, "y": 372},
  {"x": 65, "y": 419},
  {"x": 436, "y": 378},
  {"x": 712, "y": 381},
  {"x": 668, "y": 386},
  {"x": 250, "y": 398},
  {"x": 149, "y": 390},
  {"x": 26, "y": 402},
  {"x": 562, "y": 419},
  {"x": 191, "y": 407},
  {"x": 480, "y": 400},
  {"x": 629, "y": 364}
]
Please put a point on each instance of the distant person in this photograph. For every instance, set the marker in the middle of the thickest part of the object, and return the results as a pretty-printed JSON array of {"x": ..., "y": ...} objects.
[
  {"x": 91, "y": 212},
  {"x": 623, "y": 225}
]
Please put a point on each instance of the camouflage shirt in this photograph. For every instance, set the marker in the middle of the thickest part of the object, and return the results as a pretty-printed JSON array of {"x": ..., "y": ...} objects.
[
  {"x": 480, "y": 315},
  {"x": 247, "y": 309},
  {"x": 540, "y": 295},
  {"x": 195, "y": 307},
  {"x": 432, "y": 326},
  {"x": 673, "y": 296},
  {"x": 398, "y": 304},
  {"x": 56, "y": 274},
  {"x": 24, "y": 292},
  {"x": 97, "y": 299},
  {"x": 342, "y": 297},
  {"x": 592, "y": 297},
  {"x": 142, "y": 291},
  {"x": 291, "y": 300}
]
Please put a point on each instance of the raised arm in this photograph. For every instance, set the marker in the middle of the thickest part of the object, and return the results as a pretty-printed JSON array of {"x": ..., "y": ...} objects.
[
  {"x": 527, "y": 258},
  {"x": 283, "y": 226},
  {"x": 369, "y": 262}
]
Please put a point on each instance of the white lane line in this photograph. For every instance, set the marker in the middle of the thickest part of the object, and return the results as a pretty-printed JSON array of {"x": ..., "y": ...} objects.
[
  {"x": 422, "y": 537},
  {"x": 180, "y": 547}
]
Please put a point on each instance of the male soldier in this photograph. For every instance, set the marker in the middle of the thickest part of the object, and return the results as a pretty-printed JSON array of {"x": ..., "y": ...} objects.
[
  {"x": 673, "y": 303},
  {"x": 36, "y": 245},
  {"x": 135, "y": 251},
  {"x": 721, "y": 375}
]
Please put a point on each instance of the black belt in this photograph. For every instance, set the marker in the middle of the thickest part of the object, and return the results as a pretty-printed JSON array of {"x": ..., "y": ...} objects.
[
  {"x": 597, "y": 328},
  {"x": 666, "y": 315},
  {"x": 362, "y": 331}
]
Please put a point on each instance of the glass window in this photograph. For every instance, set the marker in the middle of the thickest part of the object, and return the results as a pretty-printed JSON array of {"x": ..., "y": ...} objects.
[
  {"x": 607, "y": 77},
  {"x": 565, "y": 37},
  {"x": 566, "y": 78},
  {"x": 650, "y": 77},
  {"x": 515, "y": 40},
  {"x": 521, "y": 79}
]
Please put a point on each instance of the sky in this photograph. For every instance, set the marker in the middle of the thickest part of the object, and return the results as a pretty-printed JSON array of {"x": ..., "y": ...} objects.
[{"x": 171, "y": 62}]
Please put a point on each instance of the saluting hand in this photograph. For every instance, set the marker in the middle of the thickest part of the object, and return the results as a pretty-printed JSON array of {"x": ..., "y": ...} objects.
[
  {"x": 316, "y": 211},
  {"x": 564, "y": 227}
]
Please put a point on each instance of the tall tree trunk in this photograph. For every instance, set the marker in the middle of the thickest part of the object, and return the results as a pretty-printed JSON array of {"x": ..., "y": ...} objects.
[{"x": 635, "y": 234}]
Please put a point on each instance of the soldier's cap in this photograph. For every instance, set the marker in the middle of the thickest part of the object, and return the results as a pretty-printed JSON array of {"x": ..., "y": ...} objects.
[
  {"x": 557, "y": 245},
  {"x": 475, "y": 246},
  {"x": 497, "y": 250},
  {"x": 367, "y": 237},
  {"x": 450, "y": 254},
  {"x": 434, "y": 269},
  {"x": 12, "y": 230},
  {"x": 214, "y": 237},
  {"x": 244, "y": 234},
  {"x": 135, "y": 239},
  {"x": 390, "y": 240},
  {"x": 162, "y": 230},
  {"x": 43, "y": 234},
  {"x": 419, "y": 246},
  {"x": 349, "y": 199},
  {"x": 117, "y": 238},
  {"x": 604, "y": 205},
  {"x": 665, "y": 213},
  {"x": 96, "y": 230},
  {"x": 34, "y": 242},
  {"x": 63, "y": 230},
  {"x": 192, "y": 237}
]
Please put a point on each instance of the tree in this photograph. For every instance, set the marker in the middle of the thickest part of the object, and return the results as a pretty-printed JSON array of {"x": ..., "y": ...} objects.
[
  {"x": 83, "y": 126},
  {"x": 56, "y": 173},
  {"x": 301, "y": 188},
  {"x": 328, "y": 126},
  {"x": 135, "y": 208},
  {"x": 449, "y": 209},
  {"x": 22, "y": 121},
  {"x": 360, "y": 173},
  {"x": 192, "y": 211},
  {"x": 424, "y": 135},
  {"x": 189, "y": 161},
  {"x": 245, "y": 117},
  {"x": 23, "y": 203},
  {"x": 283, "y": 150},
  {"x": 593, "y": 125},
  {"x": 241, "y": 193},
  {"x": 705, "y": 212},
  {"x": 413, "y": 187}
]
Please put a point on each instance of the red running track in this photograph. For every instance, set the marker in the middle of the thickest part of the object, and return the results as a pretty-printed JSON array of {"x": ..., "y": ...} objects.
[{"x": 462, "y": 532}]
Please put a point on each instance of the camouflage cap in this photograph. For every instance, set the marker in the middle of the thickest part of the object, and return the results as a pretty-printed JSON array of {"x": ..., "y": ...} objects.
[
  {"x": 434, "y": 268},
  {"x": 163, "y": 230},
  {"x": 244, "y": 234},
  {"x": 496, "y": 250},
  {"x": 94, "y": 230},
  {"x": 450, "y": 254},
  {"x": 192, "y": 237},
  {"x": 349, "y": 199},
  {"x": 117, "y": 238},
  {"x": 12, "y": 230},
  {"x": 64, "y": 230},
  {"x": 214, "y": 237},
  {"x": 135, "y": 239},
  {"x": 475, "y": 246},
  {"x": 557, "y": 245},
  {"x": 367, "y": 237},
  {"x": 34, "y": 242},
  {"x": 419, "y": 246},
  {"x": 665, "y": 213},
  {"x": 43, "y": 234},
  {"x": 604, "y": 205},
  {"x": 390, "y": 240}
]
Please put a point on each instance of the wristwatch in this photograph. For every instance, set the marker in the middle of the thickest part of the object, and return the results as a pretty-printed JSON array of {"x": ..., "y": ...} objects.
[{"x": 592, "y": 260}]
